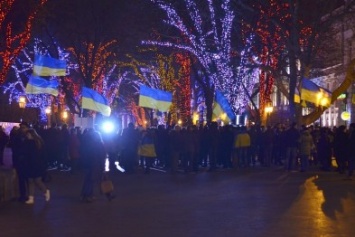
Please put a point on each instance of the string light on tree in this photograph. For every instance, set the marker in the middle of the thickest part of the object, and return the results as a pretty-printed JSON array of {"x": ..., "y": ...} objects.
[{"x": 211, "y": 46}]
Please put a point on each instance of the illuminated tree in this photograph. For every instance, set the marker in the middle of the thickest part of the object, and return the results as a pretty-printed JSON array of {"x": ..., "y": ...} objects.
[
  {"x": 184, "y": 92},
  {"x": 160, "y": 73},
  {"x": 289, "y": 40},
  {"x": 208, "y": 38},
  {"x": 23, "y": 66},
  {"x": 88, "y": 28},
  {"x": 12, "y": 41}
]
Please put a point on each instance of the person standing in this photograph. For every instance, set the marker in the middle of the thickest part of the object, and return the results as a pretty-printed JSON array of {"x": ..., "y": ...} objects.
[
  {"x": 306, "y": 146},
  {"x": 17, "y": 141},
  {"x": 130, "y": 140},
  {"x": 324, "y": 149},
  {"x": 161, "y": 146},
  {"x": 292, "y": 136},
  {"x": 213, "y": 139},
  {"x": 191, "y": 143},
  {"x": 63, "y": 148},
  {"x": 147, "y": 149},
  {"x": 93, "y": 155},
  {"x": 242, "y": 146},
  {"x": 4, "y": 139},
  {"x": 340, "y": 148},
  {"x": 34, "y": 153},
  {"x": 351, "y": 150},
  {"x": 176, "y": 141},
  {"x": 266, "y": 146},
  {"x": 74, "y": 149},
  {"x": 52, "y": 141}
]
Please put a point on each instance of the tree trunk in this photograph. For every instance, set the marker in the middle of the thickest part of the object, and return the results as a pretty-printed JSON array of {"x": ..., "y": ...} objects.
[
  {"x": 209, "y": 103},
  {"x": 293, "y": 82}
]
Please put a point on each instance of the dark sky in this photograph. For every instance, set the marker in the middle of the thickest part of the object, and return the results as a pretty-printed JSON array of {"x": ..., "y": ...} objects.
[
  {"x": 128, "y": 21},
  {"x": 137, "y": 19}
]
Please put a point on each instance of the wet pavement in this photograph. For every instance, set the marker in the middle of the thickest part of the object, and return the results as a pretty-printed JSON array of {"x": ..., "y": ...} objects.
[{"x": 247, "y": 202}]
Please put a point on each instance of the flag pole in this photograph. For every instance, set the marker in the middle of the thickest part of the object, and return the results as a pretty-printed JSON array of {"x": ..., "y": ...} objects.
[{"x": 151, "y": 117}]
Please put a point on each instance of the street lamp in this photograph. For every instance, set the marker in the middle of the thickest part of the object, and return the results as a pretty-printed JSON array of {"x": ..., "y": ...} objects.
[
  {"x": 22, "y": 102},
  {"x": 195, "y": 117},
  {"x": 268, "y": 110},
  {"x": 65, "y": 115},
  {"x": 179, "y": 122},
  {"x": 48, "y": 111},
  {"x": 22, "y": 105}
]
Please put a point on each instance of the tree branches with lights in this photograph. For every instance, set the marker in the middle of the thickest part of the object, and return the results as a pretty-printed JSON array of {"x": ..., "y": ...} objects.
[
  {"x": 23, "y": 66},
  {"x": 208, "y": 39},
  {"x": 13, "y": 41}
]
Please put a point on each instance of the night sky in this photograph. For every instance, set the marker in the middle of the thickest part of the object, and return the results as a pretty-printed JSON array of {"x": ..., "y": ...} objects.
[{"x": 128, "y": 21}]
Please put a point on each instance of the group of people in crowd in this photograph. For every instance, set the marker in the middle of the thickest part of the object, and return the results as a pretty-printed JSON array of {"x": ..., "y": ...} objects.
[
  {"x": 28, "y": 158},
  {"x": 188, "y": 149},
  {"x": 177, "y": 149}
]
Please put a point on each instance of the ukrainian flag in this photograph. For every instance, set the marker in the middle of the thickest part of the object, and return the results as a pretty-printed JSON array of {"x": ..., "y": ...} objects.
[
  {"x": 94, "y": 101},
  {"x": 38, "y": 85},
  {"x": 315, "y": 94},
  {"x": 222, "y": 109},
  {"x": 154, "y": 99},
  {"x": 48, "y": 66}
]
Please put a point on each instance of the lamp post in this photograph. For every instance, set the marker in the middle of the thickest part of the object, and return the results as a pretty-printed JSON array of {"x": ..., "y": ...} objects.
[
  {"x": 22, "y": 104},
  {"x": 48, "y": 113},
  {"x": 179, "y": 122},
  {"x": 65, "y": 116},
  {"x": 268, "y": 111}
]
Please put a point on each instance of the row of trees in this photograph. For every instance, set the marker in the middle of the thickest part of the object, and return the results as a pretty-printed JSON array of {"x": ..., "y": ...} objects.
[{"x": 241, "y": 48}]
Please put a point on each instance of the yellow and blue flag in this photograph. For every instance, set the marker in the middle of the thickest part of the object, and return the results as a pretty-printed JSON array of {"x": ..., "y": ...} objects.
[
  {"x": 315, "y": 94},
  {"x": 92, "y": 100},
  {"x": 222, "y": 109},
  {"x": 154, "y": 98},
  {"x": 38, "y": 85},
  {"x": 48, "y": 66}
]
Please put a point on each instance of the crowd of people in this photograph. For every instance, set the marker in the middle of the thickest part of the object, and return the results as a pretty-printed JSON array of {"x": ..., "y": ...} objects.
[{"x": 177, "y": 149}]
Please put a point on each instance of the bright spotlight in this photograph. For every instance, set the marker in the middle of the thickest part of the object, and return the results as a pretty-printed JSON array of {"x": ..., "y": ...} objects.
[{"x": 108, "y": 127}]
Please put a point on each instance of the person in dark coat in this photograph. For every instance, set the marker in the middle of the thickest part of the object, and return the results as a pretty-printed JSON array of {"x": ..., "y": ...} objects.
[
  {"x": 278, "y": 151},
  {"x": 4, "y": 139},
  {"x": 351, "y": 150},
  {"x": 52, "y": 144},
  {"x": 324, "y": 149},
  {"x": 191, "y": 138},
  {"x": 130, "y": 141},
  {"x": 203, "y": 145},
  {"x": 36, "y": 164},
  {"x": 161, "y": 146},
  {"x": 93, "y": 155},
  {"x": 226, "y": 146},
  {"x": 266, "y": 145},
  {"x": 176, "y": 141},
  {"x": 340, "y": 148},
  {"x": 63, "y": 149},
  {"x": 213, "y": 138},
  {"x": 17, "y": 141},
  {"x": 292, "y": 136}
]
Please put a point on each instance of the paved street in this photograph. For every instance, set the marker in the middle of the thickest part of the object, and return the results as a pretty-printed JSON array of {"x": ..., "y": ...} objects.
[{"x": 254, "y": 202}]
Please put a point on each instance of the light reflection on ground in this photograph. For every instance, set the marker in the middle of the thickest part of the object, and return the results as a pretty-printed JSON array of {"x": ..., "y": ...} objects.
[{"x": 316, "y": 212}]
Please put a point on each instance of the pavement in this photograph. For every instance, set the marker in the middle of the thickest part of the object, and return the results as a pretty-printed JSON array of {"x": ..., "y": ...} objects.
[{"x": 249, "y": 202}]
